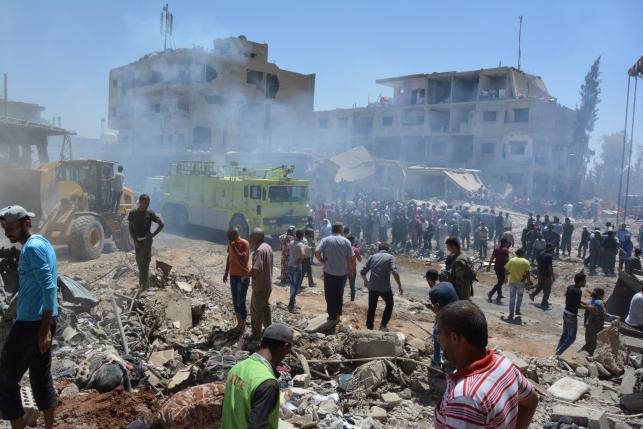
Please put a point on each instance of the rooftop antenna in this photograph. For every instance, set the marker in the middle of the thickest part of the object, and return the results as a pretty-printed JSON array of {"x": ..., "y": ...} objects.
[
  {"x": 167, "y": 23},
  {"x": 519, "y": 40}
]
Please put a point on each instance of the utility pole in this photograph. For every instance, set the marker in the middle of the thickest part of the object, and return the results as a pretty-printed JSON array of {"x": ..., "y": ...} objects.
[
  {"x": 167, "y": 22},
  {"x": 6, "y": 97},
  {"x": 519, "y": 40}
]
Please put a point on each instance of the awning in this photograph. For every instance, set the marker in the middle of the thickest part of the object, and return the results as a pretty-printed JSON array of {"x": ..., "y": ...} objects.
[{"x": 468, "y": 181}]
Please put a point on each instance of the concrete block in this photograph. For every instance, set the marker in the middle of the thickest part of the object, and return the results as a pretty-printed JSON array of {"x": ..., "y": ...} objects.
[
  {"x": 517, "y": 361},
  {"x": 301, "y": 380},
  {"x": 568, "y": 389},
  {"x": 391, "y": 398},
  {"x": 628, "y": 382},
  {"x": 582, "y": 372},
  {"x": 416, "y": 343},
  {"x": 179, "y": 310},
  {"x": 592, "y": 419},
  {"x": 29, "y": 405},
  {"x": 378, "y": 413},
  {"x": 366, "y": 344},
  {"x": 368, "y": 376}
]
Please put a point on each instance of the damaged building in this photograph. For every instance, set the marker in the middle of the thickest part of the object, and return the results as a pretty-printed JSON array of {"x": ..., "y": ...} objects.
[
  {"x": 500, "y": 121},
  {"x": 198, "y": 103}
]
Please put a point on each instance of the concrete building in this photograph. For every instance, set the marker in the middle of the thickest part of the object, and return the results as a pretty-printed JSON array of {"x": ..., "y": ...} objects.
[
  {"x": 500, "y": 121},
  {"x": 198, "y": 103}
]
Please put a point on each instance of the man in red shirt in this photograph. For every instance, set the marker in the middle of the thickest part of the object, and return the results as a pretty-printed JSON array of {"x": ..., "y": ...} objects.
[
  {"x": 486, "y": 390},
  {"x": 501, "y": 256},
  {"x": 238, "y": 267}
]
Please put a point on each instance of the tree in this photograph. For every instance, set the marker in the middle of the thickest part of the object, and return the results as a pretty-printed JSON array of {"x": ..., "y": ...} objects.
[{"x": 586, "y": 115}]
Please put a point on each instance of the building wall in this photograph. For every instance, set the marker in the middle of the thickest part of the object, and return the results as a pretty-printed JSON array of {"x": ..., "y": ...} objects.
[
  {"x": 500, "y": 121},
  {"x": 186, "y": 103}
]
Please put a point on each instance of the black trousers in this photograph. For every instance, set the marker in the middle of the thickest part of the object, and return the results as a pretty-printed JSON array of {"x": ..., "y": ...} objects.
[
  {"x": 500, "y": 275},
  {"x": 373, "y": 297},
  {"x": 21, "y": 353},
  {"x": 334, "y": 294},
  {"x": 308, "y": 271}
]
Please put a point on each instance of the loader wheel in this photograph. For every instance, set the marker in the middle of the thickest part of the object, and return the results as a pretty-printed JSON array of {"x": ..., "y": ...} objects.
[
  {"x": 125, "y": 244},
  {"x": 239, "y": 221},
  {"x": 86, "y": 238}
]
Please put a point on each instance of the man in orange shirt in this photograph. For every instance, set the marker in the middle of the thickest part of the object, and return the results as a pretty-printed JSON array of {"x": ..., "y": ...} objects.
[{"x": 238, "y": 268}]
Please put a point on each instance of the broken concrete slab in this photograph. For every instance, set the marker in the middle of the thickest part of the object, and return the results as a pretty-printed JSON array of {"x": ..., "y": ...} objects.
[
  {"x": 568, "y": 389},
  {"x": 610, "y": 351},
  {"x": 185, "y": 286},
  {"x": 378, "y": 413},
  {"x": 320, "y": 324},
  {"x": 516, "y": 360},
  {"x": 161, "y": 357},
  {"x": 582, "y": 372},
  {"x": 416, "y": 343},
  {"x": 368, "y": 376},
  {"x": 301, "y": 380},
  {"x": 367, "y": 344},
  {"x": 391, "y": 399},
  {"x": 592, "y": 419},
  {"x": 73, "y": 291},
  {"x": 628, "y": 382},
  {"x": 179, "y": 309}
]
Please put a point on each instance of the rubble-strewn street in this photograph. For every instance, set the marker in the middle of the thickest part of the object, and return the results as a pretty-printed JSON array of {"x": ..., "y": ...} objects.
[{"x": 177, "y": 335}]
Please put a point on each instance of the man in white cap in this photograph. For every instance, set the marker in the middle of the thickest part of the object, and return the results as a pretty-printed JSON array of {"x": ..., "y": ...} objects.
[
  {"x": 252, "y": 390},
  {"x": 28, "y": 346}
]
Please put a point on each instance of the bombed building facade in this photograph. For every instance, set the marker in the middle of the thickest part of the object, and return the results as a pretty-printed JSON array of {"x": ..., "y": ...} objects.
[
  {"x": 500, "y": 121},
  {"x": 199, "y": 104}
]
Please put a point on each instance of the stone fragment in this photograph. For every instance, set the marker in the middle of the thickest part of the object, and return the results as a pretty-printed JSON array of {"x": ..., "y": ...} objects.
[
  {"x": 568, "y": 389},
  {"x": 610, "y": 351},
  {"x": 368, "y": 376},
  {"x": 179, "y": 309},
  {"x": 633, "y": 402},
  {"x": 592, "y": 419},
  {"x": 327, "y": 407},
  {"x": 301, "y": 380},
  {"x": 320, "y": 324},
  {"x": 628, "y": 382},
  {"x": 391, "y": 398},
  {"x": 517, "y": 361},
  {"x": 70, "y": 391},
  {"x": 416, "y": 343},
  {"x": 378, "y": 413},
  {"x": 160, "y": 357},
  {"x": 593, "y": 370},
  {"x": 582, "y": 372}
]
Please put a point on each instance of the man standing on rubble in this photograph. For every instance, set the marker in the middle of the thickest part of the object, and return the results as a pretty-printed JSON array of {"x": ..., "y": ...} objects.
[
  {"x": 251, "y": 399},
  {"x": 336, "y": 254},
  {"x": 486, "y": 389},
  {"x": 140, "y": 223},
  {"x": 440, "y": 295},
  {"x": 382, "y": 266},
  {"x": 28, "y": 346},
  {"x": 261, "y": 274},
  {"x": 461, "y": 273},
  {"x": 237, "y": 266}
]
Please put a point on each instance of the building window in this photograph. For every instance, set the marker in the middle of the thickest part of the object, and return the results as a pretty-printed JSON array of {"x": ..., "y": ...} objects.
[
  {"x": 521, "y": 115},
  {"x": 413, "y": 117},
  {"x": 342, "y": 122},
  {"x": 517, "y": 147},
  {"x": 183, "y": 107},
  {"x": 323, "y": 122},
  {"x": 255, "y": 78},
  {"x": 387, "y": 121},
  {"x": 439, "y": 148},
  {"x": 214, "y": 99},
  {"x": 488, "y": 148},
  {"x": 114, "y": 83},
  {"x": 363, "y": 125},
  {"x": 155, "y": 107},
  {"x": 489, "y": 116},
  {"x": 272, "y": 85}
]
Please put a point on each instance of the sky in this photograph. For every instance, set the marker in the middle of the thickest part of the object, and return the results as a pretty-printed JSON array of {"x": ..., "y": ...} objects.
[{"x": 59, "y": 53}]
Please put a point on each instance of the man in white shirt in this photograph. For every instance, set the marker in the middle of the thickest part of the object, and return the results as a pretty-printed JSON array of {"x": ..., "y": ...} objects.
[
  {"x": 117, "y": 188},
  {"x": 635, "y": 315}
]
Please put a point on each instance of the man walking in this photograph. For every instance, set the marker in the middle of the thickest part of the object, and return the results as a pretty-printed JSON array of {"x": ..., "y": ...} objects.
[
  {"x": 336, "y": 254},
  {"x": 545, "y": 276},
  {"x": 486, "y": 390},
  {"x": 440, "y": 295},
  {"x": 296, "y": 255},
  {"x": 499, "y": 258},
  {"x": 483, "y": 236},
  {"x": 237, "y": 265},
  {"x": 261, "y": 274},
  {"x": 251, "y": 398},
  {"x": 584, "y": 242},
  {"x": 566, "y": 240},
  {"x": 461, "y": 274},
  {"x": 140, "y": 223},
  {"x": 28, "y": 346},
  {"x": 307, "y": 265},
  {"x": 573, "y": 301},
  {"x": 517, "y": 275},
  {"x": 381, "y": 265}
]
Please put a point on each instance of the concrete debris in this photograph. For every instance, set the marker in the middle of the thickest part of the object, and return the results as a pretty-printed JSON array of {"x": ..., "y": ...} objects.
[
  {"x": 378, "y": 413},
  {"x": 633, "y": 402},
  {"x": 320, "y": 324},
  {"x": 161, "y": 357},
  {"x": 610, "y": 351},
  {"x": 516, "y": 360},
  {"x": 179, "y": 309},
  {"x": 568, "y": 389},
  {"x": 368, "y": 376},
  {"x": 592, "y": 419},
  {"x": 391, "y": 399},
  {"x": 629, "y": 381},
  {"x": 582, "y": 372},
  {"x": 301, "y": 380},
  {"x": 367, "y": 344}
]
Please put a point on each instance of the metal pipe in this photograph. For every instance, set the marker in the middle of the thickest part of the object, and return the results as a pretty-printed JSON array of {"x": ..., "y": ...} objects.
[
  {"x": 629, "y": 158},
  {"x": 120, "y": 326},
  {"x": 620, "y": 182},
  {"x": 6, "y": 98}
]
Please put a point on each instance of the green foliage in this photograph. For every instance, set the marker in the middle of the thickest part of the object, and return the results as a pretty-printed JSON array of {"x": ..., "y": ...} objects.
[{"x": 587, "y": 112}]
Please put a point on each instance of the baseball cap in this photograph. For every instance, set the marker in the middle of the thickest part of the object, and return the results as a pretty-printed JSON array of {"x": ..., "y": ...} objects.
[
  {"x": 12, "y": 214},
  {"x": 278, "y": 332}
]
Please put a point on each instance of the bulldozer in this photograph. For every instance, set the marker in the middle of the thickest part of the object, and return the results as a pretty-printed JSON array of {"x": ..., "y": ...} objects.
[{"x": 72, "y": 199}]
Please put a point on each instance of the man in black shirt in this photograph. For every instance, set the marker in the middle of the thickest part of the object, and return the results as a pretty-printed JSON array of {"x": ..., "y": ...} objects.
[
  {"x": 573, "y": 301},
  {"x": 584, "y": 242},
  {"x": 610, "y": 249},
  {"x": 545, "y": 275},
  {"x": 140, "y": 222},
  {"x": 566, "y": 240}
]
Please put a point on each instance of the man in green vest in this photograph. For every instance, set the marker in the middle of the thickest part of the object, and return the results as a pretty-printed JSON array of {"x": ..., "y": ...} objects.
[{"x": 251, "y": 399}]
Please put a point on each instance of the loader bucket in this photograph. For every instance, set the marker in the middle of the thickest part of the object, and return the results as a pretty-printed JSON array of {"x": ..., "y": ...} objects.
[
  {"x": 35, "y": 190},
  {"x": 626, "y": 286}
]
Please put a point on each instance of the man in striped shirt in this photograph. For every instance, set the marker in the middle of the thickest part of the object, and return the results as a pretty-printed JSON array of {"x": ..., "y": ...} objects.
[{"x": 486, "y": 390}]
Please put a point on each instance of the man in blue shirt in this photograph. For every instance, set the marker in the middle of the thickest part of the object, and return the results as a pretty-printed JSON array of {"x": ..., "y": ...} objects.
[
  {"x": 28, "y": 346},
  {"x": 442, "y": 293}
]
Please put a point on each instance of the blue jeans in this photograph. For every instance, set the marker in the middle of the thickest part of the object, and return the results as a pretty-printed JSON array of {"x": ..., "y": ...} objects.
[
  {"x": 570, "y": 326},
  {"x": 516, "y": 291},
  {"x": 437, "y": 351},
  {"x": 239, "y": 290},
  {"x": 296, "y": 277}
]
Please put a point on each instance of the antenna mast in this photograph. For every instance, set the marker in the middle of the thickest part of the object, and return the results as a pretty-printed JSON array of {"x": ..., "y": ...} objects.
[
  {"x": 167, "y": 23},
  {"x": 519, "y": 40}
]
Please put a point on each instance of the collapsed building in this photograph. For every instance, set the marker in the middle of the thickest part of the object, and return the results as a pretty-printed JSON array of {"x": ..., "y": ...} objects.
[
  {"x": 501, "y": 121},
  {"x": 197, "y": 103}
]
